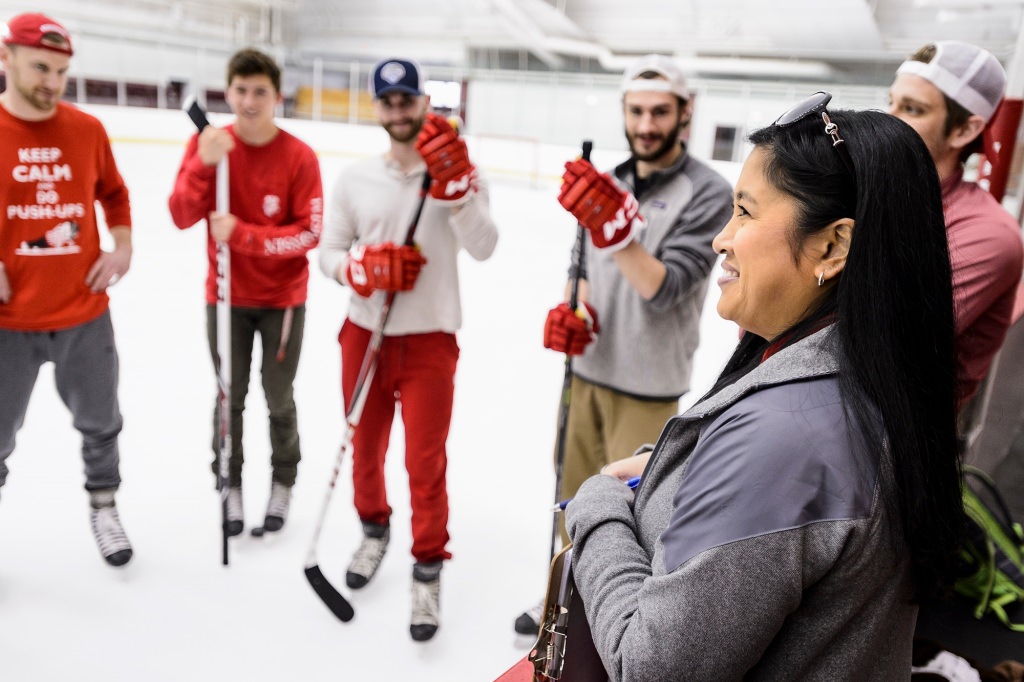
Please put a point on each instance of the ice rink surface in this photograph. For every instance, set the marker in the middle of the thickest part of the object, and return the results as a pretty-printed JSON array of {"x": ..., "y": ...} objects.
[{"x": 175, "y": 613}]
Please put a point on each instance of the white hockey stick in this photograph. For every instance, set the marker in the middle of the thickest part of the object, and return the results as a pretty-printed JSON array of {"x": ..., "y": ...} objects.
[{"x": 198, "y": 116}]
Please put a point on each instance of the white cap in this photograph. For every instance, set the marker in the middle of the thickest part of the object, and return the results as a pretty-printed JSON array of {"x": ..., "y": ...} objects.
[
  {"x": 967, "y": 74},
  {"x": 666, "y": 67}
]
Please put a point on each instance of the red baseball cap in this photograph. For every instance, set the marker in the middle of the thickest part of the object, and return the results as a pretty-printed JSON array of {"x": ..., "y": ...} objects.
[{"x": 38, "y": 30}]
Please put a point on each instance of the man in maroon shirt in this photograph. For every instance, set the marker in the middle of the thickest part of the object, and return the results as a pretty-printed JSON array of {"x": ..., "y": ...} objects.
[{"x": 948, "y": 92}]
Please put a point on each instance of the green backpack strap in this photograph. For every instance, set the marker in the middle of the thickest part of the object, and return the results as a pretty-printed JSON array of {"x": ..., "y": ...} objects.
[{"x": 994, "y": 551}]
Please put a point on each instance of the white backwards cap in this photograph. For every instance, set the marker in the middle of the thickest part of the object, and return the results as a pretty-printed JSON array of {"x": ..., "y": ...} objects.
[
  {"x": 967, "y": 74},
  {"x": 666, "y": 67}
]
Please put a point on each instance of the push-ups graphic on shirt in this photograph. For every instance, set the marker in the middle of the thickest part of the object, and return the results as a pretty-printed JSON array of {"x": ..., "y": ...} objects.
[{"x": 57, "y": 241}]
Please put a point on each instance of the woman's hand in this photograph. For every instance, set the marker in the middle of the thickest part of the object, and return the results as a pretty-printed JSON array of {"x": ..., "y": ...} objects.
[{"x": 625, "y": 469}]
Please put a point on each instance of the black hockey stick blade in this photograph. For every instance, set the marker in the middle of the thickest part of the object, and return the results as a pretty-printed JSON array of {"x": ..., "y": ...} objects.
[
  {"x": 196, "y": 113},
  {"x": 338, "y": 605}
]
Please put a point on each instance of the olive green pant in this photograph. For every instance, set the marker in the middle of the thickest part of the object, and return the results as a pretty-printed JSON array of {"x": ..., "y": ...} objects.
[
  {"x": 605, "y": 426},
  {"x": 278, "y": 376}
]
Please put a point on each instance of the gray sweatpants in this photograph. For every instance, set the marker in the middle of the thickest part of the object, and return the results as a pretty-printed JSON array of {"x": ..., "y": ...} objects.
[{"x": 86, "y": 372}]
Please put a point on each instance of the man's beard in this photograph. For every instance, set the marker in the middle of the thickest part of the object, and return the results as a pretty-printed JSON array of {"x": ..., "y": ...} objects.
[
  {"x": 415, "y": 126},
  {"x": 40, "y": 103},
  {"x": 669, "y": 143}
]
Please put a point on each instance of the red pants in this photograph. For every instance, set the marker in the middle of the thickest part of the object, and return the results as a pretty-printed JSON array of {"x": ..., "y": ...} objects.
[{"x": 417, "y": 370}]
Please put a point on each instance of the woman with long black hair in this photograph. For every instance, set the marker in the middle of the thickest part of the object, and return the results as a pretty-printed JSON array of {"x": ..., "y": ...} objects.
[{"x": 787, "y": 523}]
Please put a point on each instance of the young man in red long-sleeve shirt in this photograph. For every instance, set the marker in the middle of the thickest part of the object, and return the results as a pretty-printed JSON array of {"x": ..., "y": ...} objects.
[
  {"x": 276, "y": 209},
  {"x": 58, "y": 163}
]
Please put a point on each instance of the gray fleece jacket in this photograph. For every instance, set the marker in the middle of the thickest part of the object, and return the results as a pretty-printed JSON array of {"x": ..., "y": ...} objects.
[{"x": 758, "y": 545}]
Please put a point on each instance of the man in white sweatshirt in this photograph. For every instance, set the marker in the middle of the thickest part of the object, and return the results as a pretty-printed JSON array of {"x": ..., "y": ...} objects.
[{"x": 365, "y": 246}]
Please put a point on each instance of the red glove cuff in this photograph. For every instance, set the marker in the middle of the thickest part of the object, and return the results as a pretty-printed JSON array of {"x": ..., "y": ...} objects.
[{"x": 355, "y": 272}]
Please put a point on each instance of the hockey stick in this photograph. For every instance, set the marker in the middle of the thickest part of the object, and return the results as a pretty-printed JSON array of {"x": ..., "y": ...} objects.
[
  {"x": 330, "y": 596},
  {"x": 198, "y": 116},
  {"x": 563, "y": 409}
]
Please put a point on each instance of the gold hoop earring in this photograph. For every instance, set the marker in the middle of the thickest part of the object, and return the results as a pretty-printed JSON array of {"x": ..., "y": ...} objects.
[{"x": 821, "y": 278}]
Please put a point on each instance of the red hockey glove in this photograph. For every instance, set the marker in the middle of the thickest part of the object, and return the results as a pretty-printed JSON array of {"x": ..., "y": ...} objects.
[
  {"x": 383, "y": 266},
  {"x": 447, "y": 160},
  {"x": 569, "y": 332},
  {"x": 610, "y": 214}
]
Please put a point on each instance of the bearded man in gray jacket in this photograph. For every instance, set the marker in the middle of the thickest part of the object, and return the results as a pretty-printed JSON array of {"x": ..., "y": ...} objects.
[{"x": 645, "y": 278}]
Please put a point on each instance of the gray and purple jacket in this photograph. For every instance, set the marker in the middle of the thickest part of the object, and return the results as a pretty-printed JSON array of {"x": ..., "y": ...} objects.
[{"x": 758, "y": 546}]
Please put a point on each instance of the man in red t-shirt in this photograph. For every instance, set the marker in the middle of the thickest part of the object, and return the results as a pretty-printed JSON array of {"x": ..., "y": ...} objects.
[
  {"x": 53, "y": 274},
  {"x": 275, "y": 216}
]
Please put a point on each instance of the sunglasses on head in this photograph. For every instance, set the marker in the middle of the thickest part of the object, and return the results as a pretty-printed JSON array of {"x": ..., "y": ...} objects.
[{"x": 813, "y": 105}]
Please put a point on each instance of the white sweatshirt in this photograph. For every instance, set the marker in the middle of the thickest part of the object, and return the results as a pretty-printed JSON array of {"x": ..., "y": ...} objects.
[{"x": 373, "y": 202}]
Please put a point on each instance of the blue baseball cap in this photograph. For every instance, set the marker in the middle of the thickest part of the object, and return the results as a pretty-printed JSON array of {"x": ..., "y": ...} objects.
[{"x": 396, "y": 75}]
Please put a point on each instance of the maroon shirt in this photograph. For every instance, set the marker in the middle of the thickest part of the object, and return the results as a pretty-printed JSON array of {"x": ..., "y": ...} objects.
[{"x": 986, "y": 255}]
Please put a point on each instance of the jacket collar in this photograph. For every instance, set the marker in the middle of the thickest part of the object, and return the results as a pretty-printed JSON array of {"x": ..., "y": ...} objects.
[{"x": 811, "y": 357}]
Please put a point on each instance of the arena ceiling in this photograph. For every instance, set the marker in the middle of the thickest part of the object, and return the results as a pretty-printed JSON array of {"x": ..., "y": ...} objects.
[{"x": 788, "y": 38}]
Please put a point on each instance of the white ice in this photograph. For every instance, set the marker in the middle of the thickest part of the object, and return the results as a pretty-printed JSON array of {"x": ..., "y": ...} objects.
[{"x": 175, "y": 613}]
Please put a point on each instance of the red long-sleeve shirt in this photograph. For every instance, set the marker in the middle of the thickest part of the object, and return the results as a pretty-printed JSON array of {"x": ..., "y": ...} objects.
[
  {"x": 277, "y": 197},
  {"x": 54, "y": 171}
]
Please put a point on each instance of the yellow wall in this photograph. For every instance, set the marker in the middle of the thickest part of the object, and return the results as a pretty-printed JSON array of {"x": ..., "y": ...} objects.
[{"x": 334, "y": 104}]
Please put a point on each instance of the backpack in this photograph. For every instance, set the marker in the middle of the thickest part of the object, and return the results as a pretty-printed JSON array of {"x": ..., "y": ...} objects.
[{"x": 993, "y": 552}]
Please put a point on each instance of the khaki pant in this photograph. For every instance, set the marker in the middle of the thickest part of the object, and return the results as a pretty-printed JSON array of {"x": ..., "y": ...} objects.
[{"x": 604, "y": 426}]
